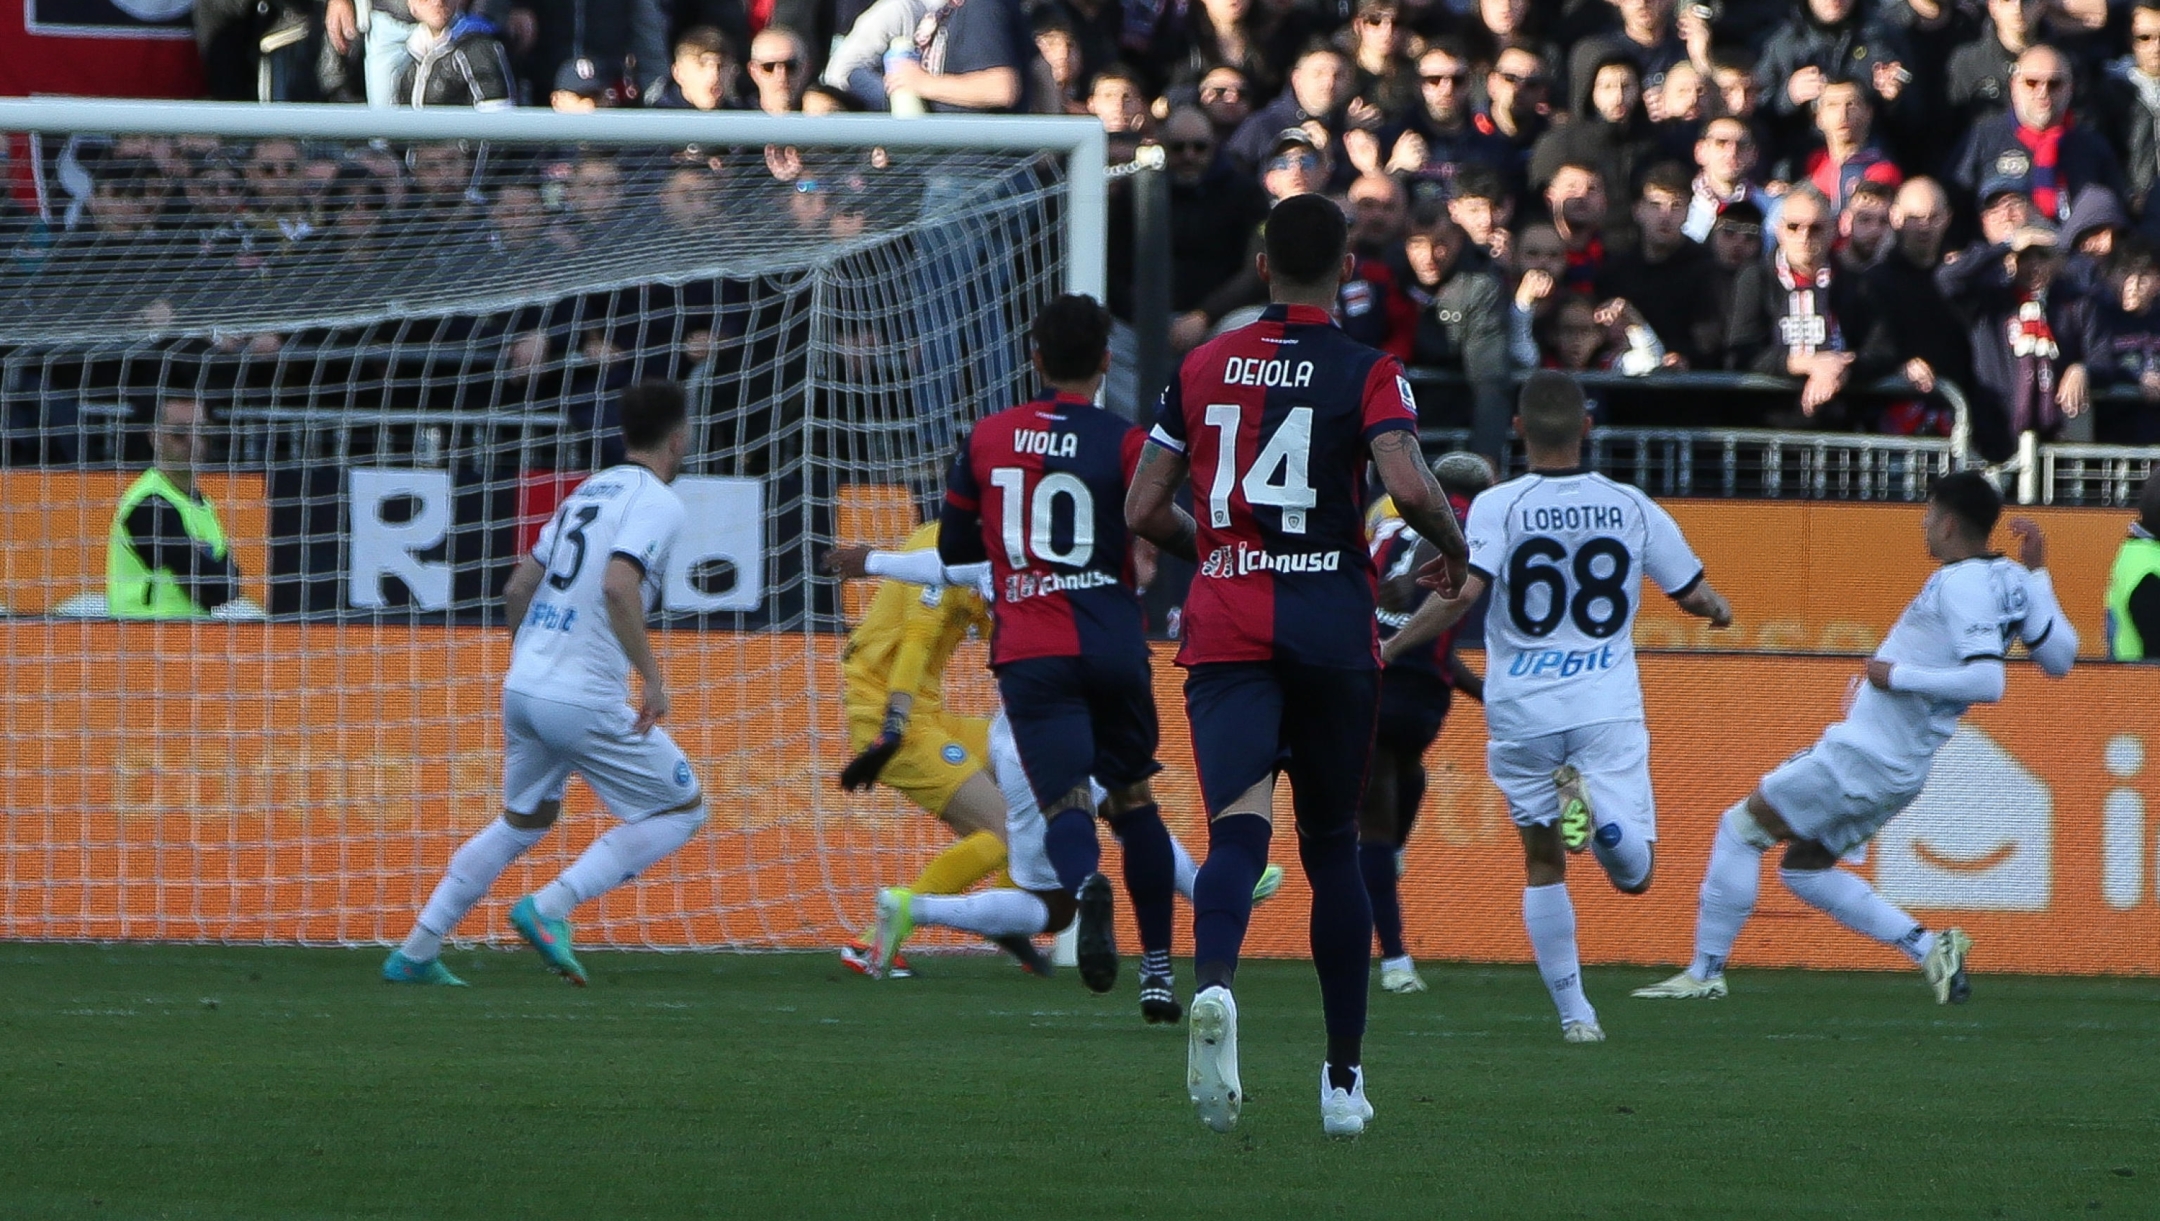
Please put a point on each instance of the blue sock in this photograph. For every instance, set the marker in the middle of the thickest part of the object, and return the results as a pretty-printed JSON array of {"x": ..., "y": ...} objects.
[
  {"x": 1150, "y": 872},
  {"x": 1069, "y": 842},
  {"x": 1341, "y": 938},
  {"x": 1378, "y": 863},
  {"x": 1222, "y": 895}
]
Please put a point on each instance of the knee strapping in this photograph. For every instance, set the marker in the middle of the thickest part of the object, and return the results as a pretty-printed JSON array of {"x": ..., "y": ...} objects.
[{"x": 1741, "y": 822}]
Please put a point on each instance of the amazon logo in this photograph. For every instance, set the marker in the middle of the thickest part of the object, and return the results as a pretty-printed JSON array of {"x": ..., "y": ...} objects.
[{"x": 1980, "y": 837}]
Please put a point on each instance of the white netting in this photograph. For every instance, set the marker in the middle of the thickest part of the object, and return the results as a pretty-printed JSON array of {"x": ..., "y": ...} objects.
[{"x": 409, "y": 353}]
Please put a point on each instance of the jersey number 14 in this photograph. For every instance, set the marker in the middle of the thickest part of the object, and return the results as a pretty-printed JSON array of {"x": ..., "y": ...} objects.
[{"x": 1288, "y": 452}]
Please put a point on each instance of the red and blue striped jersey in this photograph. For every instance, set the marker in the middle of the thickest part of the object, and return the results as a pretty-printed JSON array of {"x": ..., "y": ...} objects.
[
  {"x": 1275, "y": 420},
  {"x": 1394, "y": 550},
  {"x": 1039, "y": 490}
]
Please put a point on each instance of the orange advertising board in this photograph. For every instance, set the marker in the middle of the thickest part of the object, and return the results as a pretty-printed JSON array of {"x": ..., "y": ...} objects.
[{"x": 307, "y": 782}]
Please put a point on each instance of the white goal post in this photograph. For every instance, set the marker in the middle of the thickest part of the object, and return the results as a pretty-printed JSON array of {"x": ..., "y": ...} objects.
[{"x": 407, "y": 328}]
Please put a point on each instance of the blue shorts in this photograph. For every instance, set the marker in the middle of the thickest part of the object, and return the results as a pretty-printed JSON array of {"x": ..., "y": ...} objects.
[
  {"x": 1251, "y": 719},
  {"x": 1079, "y": 717},
  {"x": 1413, "y": 705}
]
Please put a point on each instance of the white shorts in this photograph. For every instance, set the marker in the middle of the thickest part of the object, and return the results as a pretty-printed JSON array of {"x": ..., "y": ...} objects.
[
  {"x": 1839, "y": 795},
  {"x": 635, "y": 775},
  {"x": 1613, "y": 757},
  {"x": 1027, "y": 859}
]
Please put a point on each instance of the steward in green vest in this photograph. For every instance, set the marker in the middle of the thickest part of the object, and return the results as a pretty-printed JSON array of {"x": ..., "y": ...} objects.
[
  {"x": 166, "y": 556},
  {"x": 2133, "y": 596}
]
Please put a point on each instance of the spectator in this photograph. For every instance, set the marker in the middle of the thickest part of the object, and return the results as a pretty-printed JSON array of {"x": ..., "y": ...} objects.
[
  {"x": 1680, "y": 105},
  {"x": 1864, "y": 228},
  {"x": 2004, "y": 209},
  {"x": 1615, "y": 137},
  {"x": 1372, "y": 307},
  {"x": 1386, "y": 77},
  {"x": 2036, "y": 142},
  {"x": 622, "y": 43},
  {"x": 1054, "y": 41},
  {"x": 1662, "y": 278},
  {"x": 1918, "y": 323},
  {"x": 1226, "y": 99},
  {"x": 704, "y": 74},
  {"x": 1646, "y": 40},
  {"x": 1517, "y": 108},
  {"x": 1482, "y": 208},
  {"x": 1117, "y": 100},
  {"x": 386, "y": 46},
  {"x": 168, "y": 558},
  {"x": 1736, "y": 254},
  {"x": 1825, "y": 41},
  {"x": 277, "y": 196},
  {"x": 2128, "y": 104},
  {"x": 2123, "y": 345},
  {"x": 1227, "y": 34},
  {"x": 1214, "y": 213},
  {"x": 1098, "y": 29},
  {"x": 1440, "y": 136},
  {"x": 1572, "y": 339},
  {"x": 1297, "y": 165},
  {"x": 1379, "y": 215},
  {"x": 2133, "y": 593},
  {"x": 1577, "y": 202},
  {"x": 1541, "y": 264},
  {"x": 857, "y": 63},
  {"x": 1845, "y": 119},
  {"x": 2095, "y": 223},
  {"x": 581, "y": 88},
  {"x": 977, "y": 56},
  {"x": 1732, "y": 75},
  {"x": 1461, "y": 328},
  {"x": 1319, "y": 96},
  {"x": 457, "y": 60},
  {"x": 2037, "y": 381},
  {"x": 1807, "y": 318},
  {"x": 779, "y": 69},
  {"x": 1724, "y": 157},
  {"x": 1980, "y": 71},
  {"x": 246, "y": 46}
]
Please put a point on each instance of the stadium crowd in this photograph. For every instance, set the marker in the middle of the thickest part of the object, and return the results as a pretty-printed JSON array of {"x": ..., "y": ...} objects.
[{"x": 1840, "y": 191}]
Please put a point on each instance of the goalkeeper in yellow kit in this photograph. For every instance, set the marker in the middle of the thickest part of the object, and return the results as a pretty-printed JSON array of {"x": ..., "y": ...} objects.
[{"x": 905, "y": 739}]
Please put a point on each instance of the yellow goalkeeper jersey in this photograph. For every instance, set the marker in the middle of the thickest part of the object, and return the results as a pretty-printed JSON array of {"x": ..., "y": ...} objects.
[{"x": 906, "y": 638}]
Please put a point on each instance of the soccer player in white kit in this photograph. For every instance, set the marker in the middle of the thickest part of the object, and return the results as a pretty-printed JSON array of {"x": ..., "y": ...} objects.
[
  {"x": 579, "y": 603},
  {"x": 1565, "y": 552},
  {"x": 1945, "y": 654}
]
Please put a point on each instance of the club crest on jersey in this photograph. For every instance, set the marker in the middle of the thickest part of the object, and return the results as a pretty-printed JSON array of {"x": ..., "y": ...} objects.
[
  {"x": 1243, "y": 559},
  {"x": 954, "y": 754},
  {"x": 682, "y": 774},
  {"x": 1257, "y": 371},
  {"x": 1048, "y": 444}
]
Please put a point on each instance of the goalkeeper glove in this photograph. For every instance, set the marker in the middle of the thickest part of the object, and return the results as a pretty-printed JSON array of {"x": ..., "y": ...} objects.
[{"x": 862, "y": 771}]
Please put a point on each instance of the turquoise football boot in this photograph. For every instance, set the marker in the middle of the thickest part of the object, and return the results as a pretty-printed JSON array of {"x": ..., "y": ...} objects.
[
  {"x": 550, "y": 937},
  {"x": 398, "y": 969}
]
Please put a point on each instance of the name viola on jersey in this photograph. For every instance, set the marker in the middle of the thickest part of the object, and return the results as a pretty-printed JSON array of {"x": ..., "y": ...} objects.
[
  {"x": 1020, "y": 586},
  {"x": 1260, "y": 371},
  {"x": 1560, "y": 663},
  {"x": 1242, "y": 559},
  {"x": 1048, "y": 444}
]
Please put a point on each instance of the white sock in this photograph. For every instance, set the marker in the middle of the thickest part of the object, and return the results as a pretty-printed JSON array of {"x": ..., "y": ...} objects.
[
  {"x": 615, "y": 858},
  {"x": 1187, "y": 871},
  {"x": 1728, "y": 893},
  {"x": 1549, "y": 914},
  {"x": 473, "y": 868},
  {"x": 1626, "y": 859},
  {"x": 1398, "y": 964},
  {"x": 986, "y": 913},
  {"x": 1848, "y": 899}
]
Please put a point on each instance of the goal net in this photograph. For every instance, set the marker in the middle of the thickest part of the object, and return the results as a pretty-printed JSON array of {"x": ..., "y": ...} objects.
[{"x": 408, "y": 333}]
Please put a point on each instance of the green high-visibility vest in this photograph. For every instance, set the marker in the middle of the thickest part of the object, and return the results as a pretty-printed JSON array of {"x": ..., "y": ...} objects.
[
  {"x": 134, "y": 590},
  {"x": 2138, "y": 559}
]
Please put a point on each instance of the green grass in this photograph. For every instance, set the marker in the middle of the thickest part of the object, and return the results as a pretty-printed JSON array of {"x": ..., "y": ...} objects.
[{"x": 270, "y": 1083}]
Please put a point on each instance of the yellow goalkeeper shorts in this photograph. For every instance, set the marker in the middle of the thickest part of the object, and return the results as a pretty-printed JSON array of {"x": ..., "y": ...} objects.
[{"x": 937, "y": 755}]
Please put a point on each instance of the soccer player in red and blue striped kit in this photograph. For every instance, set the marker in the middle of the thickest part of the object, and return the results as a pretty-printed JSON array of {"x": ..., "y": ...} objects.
[
  {"x": 1038, "y": 490},
  {"x": 1274, "y": 423}
]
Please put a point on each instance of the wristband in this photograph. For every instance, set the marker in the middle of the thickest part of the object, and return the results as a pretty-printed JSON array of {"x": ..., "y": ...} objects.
[{"x": 895, "y": 724}]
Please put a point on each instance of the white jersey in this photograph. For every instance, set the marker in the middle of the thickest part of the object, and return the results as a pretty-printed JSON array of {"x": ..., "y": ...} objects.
[
  {"x": 1565, "y": 556},
  {"x": 1972, "y": 610},
  {"x": 566, "y": 649}
]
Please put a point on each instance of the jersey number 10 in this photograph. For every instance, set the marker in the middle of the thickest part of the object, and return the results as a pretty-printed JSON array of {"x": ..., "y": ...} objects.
[
  {"x": 1025, "y": 530},
  {"x": 1288, "y": 451}
]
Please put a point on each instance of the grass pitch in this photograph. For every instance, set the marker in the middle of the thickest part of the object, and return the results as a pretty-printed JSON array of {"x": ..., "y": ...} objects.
[{"x": 289, "y": 1084}]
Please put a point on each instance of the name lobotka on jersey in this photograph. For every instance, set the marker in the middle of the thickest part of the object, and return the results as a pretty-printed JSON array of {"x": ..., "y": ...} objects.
[{"x": 1565, "y": 555}]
